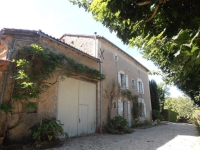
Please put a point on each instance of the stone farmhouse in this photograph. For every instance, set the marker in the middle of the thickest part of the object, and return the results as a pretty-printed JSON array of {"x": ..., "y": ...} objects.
[
  {"x": 78, "y": 101},
  {"x": 119, "y": 66}
]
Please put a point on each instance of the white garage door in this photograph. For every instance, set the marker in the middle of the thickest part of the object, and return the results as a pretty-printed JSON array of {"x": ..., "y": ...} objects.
[{"x": 77, "y": 106}]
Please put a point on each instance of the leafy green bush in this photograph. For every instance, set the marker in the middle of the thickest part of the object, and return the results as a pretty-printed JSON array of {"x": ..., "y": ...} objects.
[
  {"x": 165, "y": 114},
  {"x": 172, "y": 116},
  {"x": 196, "y": 118},
  {"x": 118, "y": 125},
  {"x": 142, "y": 124},
  {"x": 156, "y": 115},
  {"x": 47, "y": 130},
  {"x": 147, "y": 123},
  {"x": 136, "y": 123}
]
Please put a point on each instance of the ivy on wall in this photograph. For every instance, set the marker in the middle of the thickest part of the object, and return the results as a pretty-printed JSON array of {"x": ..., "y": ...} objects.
[{"x": 34, "y": 65}]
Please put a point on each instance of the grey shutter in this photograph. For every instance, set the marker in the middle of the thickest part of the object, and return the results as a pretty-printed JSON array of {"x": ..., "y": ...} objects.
[
  {"x": 127, "y": 86},
  {"x": 145, "y": 110},
  {"x": 120, "y": 108},
  {"x": 142, "y": 88},
  {"x": 119, "y": 78},
  {"x": 138, "y": 85}
]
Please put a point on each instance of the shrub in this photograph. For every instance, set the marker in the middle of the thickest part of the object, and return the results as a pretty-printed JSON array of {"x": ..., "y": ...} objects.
[
  {"x": 118, "y": 125},
  {"x": 147, "y": 123},
  {"x": 142, "y": 123},
  {"x": 137, "y": 123},
  {"x": 156, "y": 115},
  {"x": 172, "y": 116},
  {"x": 165, "y": 114},
  {"x": 47, "y": 130},
  {"x": 196, "y": 118}
]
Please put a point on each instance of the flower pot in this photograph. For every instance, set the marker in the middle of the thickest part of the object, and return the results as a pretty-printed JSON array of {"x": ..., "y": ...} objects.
[{"x": 1, "y": 140}]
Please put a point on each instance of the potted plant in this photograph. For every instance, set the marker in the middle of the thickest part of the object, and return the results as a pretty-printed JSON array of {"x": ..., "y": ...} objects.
[{"x": 46, "y": 133}]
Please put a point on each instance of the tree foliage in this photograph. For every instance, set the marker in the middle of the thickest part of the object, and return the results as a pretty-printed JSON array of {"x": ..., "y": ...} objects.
[
  {"x": 163, "y": 92},
  {"x": 154, "y": 95},
  {"x": 183, "y": 106},
  {"x": 166, "y": 31}
]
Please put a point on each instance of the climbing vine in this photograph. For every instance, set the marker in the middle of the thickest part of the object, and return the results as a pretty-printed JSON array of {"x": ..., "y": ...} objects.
[{"x": 34, "y": 65}]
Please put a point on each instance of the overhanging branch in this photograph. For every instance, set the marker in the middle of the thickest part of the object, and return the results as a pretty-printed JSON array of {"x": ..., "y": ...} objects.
[
  {"x": 154, "y": 13},
  {"x": 143, "y": 3}
]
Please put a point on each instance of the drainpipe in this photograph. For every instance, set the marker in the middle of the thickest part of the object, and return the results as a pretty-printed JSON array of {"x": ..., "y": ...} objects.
[
  {"x": 11, "y": 50},
  {"x": 100, "y": 70}
]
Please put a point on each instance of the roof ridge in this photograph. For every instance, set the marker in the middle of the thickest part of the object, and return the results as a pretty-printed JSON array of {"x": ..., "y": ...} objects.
[{"x": 41, "y": 33}]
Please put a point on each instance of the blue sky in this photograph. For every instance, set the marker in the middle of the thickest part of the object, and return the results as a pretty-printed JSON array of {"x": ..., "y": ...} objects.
[{"x": 56, "y": 17}]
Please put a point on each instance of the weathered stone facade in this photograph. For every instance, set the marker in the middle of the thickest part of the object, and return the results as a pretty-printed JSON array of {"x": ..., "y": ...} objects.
[{"x": 47, "y": 105}]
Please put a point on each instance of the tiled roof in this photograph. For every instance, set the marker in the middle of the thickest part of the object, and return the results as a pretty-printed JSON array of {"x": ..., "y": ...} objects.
[
  {"x": 101, "y": 37},
  {"x": 10, "y": 31}
]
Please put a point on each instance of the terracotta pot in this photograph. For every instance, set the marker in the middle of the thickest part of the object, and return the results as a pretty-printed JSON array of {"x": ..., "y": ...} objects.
[{"x": 1, "y": 140}]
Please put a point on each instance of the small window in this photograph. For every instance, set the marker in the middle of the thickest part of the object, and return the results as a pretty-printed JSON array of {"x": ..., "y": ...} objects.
[
  {"x": 116, "y": 58},
  {"x": 114, "y": 104}
]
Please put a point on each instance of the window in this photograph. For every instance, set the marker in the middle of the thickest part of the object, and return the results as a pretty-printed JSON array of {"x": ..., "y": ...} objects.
[
  {"x": 120, "y": 108},
  {"x": 140, "y": 86},
  {"x": 141, "y": 108},
  {"x": 133, "y": 83},
  {"x": 116, "y": 57},
  {"x": 123, "y": 80}
]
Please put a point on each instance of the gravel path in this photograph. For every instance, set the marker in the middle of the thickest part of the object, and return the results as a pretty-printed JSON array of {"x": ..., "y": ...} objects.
[{"x": 173, "y": 136}]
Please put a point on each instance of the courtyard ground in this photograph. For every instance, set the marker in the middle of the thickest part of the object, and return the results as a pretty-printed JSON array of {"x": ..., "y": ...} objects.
[{"x": 172, "y": 136}]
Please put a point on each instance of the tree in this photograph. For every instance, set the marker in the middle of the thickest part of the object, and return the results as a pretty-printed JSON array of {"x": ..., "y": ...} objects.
[
  {"x": 163, "y": 93},
  {"x": 183, "y": 106},
  {"x": 165, "y": 31},
  {"x": 154, "y": 95}
]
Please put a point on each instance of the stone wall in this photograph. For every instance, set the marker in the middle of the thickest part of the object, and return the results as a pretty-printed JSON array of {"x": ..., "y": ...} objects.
[
  {"x": 130, "y": 68},
  {"x": 47, "y": 104}
]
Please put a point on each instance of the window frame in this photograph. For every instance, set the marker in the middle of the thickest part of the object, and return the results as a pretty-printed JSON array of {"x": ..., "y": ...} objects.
[
  {"x": 121, "y": 80},
  {"x": 140, "y": 86},
  {"x": 133, "y": 83}
]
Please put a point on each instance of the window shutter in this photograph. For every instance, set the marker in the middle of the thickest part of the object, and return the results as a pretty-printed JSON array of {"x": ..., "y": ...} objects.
[
  {"x": 142, "y": 88},
  {"x": 119, "y": 78},
  {"x": 120, "y": 108},
  {"x": 127, "y": 82},
  {"x": 138, "y": 85},
  {"x": 145, "y": 111}
]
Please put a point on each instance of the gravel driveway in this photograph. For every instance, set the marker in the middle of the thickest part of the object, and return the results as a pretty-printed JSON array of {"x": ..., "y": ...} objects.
[{"x": 173, "y": 136}]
